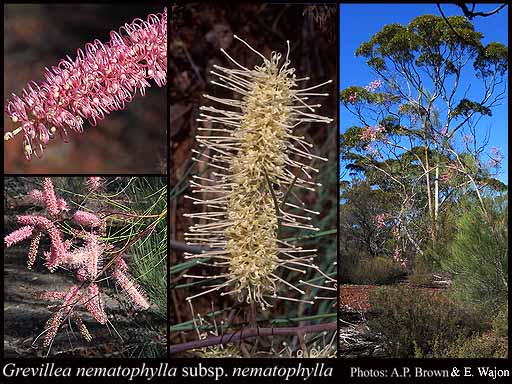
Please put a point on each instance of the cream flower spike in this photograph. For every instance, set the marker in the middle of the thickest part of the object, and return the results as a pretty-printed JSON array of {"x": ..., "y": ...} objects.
[{"x": 257, "y": 160}]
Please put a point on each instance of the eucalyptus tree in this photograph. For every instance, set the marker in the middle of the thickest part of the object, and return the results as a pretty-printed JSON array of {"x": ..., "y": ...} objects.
[{"x": 418, "y": 133}]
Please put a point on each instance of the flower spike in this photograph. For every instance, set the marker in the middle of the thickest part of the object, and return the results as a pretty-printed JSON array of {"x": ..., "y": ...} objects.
[
  {"x": 101, "y": 79},
  {"x": 258, "y": 160}
]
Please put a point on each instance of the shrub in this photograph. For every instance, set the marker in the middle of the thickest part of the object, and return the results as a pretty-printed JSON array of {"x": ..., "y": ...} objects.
[
  {"x": 492, "y": 344},
  {"x": 478, "y": 259},
  {"x": 415, "y": 323},
  {"x": 421, "y": 274},
  {"x": 487, "y": 345},
  {"x": 376, "y": 270}
]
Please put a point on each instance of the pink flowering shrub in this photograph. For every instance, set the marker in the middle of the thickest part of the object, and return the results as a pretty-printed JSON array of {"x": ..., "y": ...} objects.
[
  {"x": 380, "y": 219},
  {"x": 81, "y": 251},
  {"x": 104, "y": 77}
]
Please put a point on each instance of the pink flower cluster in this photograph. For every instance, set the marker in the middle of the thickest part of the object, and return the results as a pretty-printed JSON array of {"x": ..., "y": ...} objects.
[
  {"x": 449, "y": 173},
  {"x": 380, "y": 219},
  {"x": 91, "y": 301},
  {"x": 131, "y": 289},
  {"x": 375, "y": 84},
  {"x": 397, "y": 256},
  {"x": 47, "y": 198},
  {"x": 85, "y": 260},
  {"x": 102, "y": 79},
  {"x": 37, "y": 198},
  {"x": 86, "y": 219},
  {"x": 496, "y": 158},
  {"x": 56, "y": 255},
  {"x": 94, "y": 184},
  {"x": 352, "y": 98},
  {"x": 370, "y": 133},
  {"x": 18, "y": 235}
]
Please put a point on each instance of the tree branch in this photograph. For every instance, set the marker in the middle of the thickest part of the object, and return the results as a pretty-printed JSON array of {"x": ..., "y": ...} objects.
[
  {"x": 246, "y": 333},
  {"x": 470, "y": 14}
]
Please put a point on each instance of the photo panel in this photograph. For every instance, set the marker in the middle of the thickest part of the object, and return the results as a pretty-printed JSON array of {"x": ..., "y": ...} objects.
[
  {"x": 85, "y": 271},
  {"x": 423, "y": 219},
  {"x": 85, "y": 89},
  {"x": 253, "y": 180}
]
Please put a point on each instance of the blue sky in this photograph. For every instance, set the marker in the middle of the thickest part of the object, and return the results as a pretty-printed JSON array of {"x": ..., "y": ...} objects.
[{"x": 359, "y": 22}]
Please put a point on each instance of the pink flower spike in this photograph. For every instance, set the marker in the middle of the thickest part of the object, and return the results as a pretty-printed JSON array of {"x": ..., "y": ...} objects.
[
  {"x": 87, "y": 258},
  {"x": 131, "y": 288},
  {"x": 121, "y": 264},
  {"x": 94, "y": 304},
  {"x": 18, "y": 235},
  {"x": 67, "y": 245},
  {"x": 94, "y": 249},
  {"x": 55, "y": 257},
  {"x": 380, "y": 220},
  {"x": 86, "y": 219},
  {"x": 60, "y": 316},
  {"x": 63, "y": 205},
  {"x": 49, "y": 197},
  {"x": 81, "y": 274},
  {"x": 94, "y": 184},
  {"x": 375, "y": 84},
  {"x": 37, "y": 197},
  {"x": 101, "y": 79},
  {"x": 75, "y": 259},
  {"x": 32, "y": 253}
]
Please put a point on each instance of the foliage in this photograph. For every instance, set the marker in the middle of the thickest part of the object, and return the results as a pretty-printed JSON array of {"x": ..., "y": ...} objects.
[
  {"x": 479, "y": 255},
  {"x": 377, "y": 270},
  {"x": 412, "y": 120},
  {"x": 149, "y": 259},
  {"x": 491, "y": 344},
  {"x": 360, "y": 204},
  {"x": 487, "y": 345},
  {"x": 415, "y": 323},
  {"x": 103, "y": 231},
  {"x": 421, "y": 274}
]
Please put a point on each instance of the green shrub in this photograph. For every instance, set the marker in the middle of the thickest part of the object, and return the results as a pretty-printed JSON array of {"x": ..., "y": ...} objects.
[
  {"x": 500, "y": 322},
  {"x": 415, "y": 323},
  {"x": 478, "y": 259},
  {"x": 487, "y": 345},
  {"x": 421, "y": 274},
  {"x": 376, "y": 270},
  {"x": 491, "y": 344}
]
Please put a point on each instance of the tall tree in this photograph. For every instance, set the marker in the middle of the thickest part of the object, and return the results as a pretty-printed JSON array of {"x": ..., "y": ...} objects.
[{"x": 418, "y": 132}]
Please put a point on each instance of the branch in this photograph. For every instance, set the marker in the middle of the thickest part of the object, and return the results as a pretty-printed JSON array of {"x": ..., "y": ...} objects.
[
  {"x": 449, "y": 24},
  {"x": 470, "y": 14},
  {"x": 246, "y": 333}
]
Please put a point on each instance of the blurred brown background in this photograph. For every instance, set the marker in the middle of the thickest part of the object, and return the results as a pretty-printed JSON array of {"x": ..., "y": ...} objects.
[{"x": 128, "y": 141}]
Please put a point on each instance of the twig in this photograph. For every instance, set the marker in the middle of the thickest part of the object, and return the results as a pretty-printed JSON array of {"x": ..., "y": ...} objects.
[
  {"x": 470, "y": 14},
  {"x": 246, "y": 333}
]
